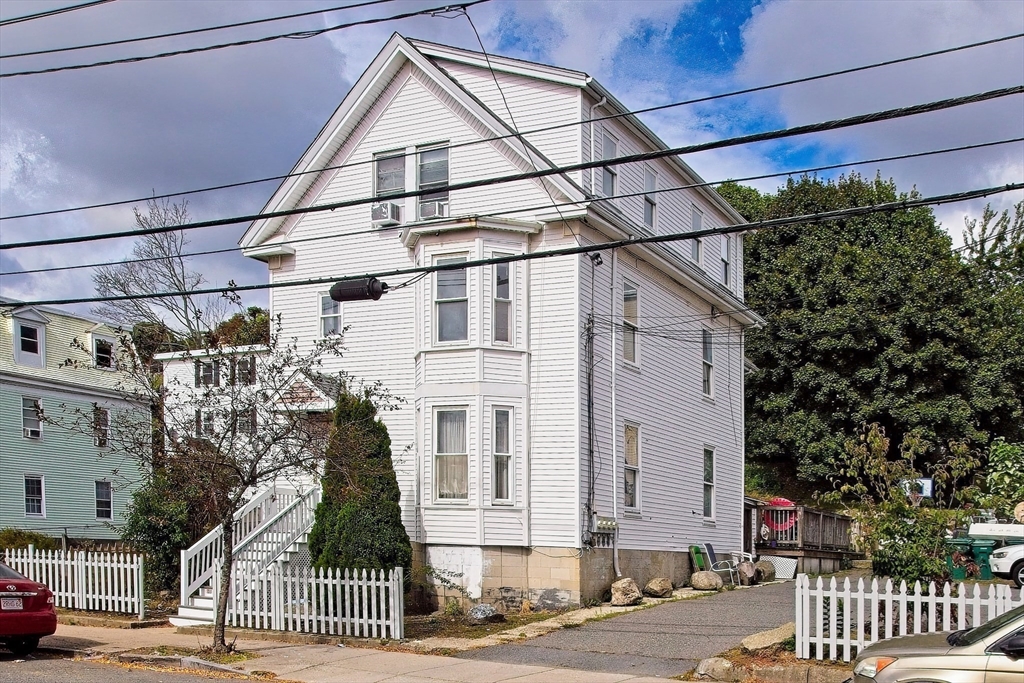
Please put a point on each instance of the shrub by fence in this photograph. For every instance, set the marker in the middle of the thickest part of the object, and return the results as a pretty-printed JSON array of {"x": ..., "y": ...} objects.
[
  {"x": 835, "y": 618},
  {"x": 104, "y": 582}
]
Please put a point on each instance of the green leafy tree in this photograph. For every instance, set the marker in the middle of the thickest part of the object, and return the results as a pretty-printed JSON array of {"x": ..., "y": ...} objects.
[
  {"x": 1005, "y": 478},
  {"x": 359, "y": 522}
]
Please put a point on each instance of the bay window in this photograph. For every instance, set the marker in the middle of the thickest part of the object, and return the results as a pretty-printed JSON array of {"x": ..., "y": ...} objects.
[
  {"x": 451, "y": 302},
  {"x": 502, "y": 312},
  {"x": 501, "y": 491},
  {"x": 452, "y": 456}
]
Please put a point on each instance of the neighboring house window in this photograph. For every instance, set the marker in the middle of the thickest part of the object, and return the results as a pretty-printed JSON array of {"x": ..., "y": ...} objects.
[
  {"x": 709, "y": 482},
  {"x": 631, "y": 472},
  {"x": 726, "y": 247},
  {"x": 650, "y": 201},
  {"x": 104, "y": 500},
  {"x": 103, "y": 353},
  {"x": 452, "y": 456},
  {"x": 30, "y": 411},
  {"x": 630, "y": 322},
  {"x": 101, "y": 426},
  {"x": 207, "y": 373},
  {"x": 708, "y": 363},
  {"x": 451, "y": 302},
  {"x": 696, "y": 223},
  {"x": 389, "y": 170},
  {"x": 30, "y": 344},
  {"x": 433, "y": 173},
  {"x": 609, "y": 177},
  {"x": 502, "y": 302},
  {"x": 35, "y": 502},
  {"x": 243, "y": 371},
  {"x": 502, "y": 485},
  {"x": 205, "y": 421},
  {"x": 330, "y": 316},
  {"x": 245, "y": 421}
]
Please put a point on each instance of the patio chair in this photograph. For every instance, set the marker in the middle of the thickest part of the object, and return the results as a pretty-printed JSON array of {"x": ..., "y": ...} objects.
[
  {"x": 727, "y": 567},
  {"x": 697, "y": 558}
]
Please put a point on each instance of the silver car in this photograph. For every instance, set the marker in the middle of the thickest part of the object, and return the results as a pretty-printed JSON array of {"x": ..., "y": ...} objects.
[{"x": 990, "y": 653}]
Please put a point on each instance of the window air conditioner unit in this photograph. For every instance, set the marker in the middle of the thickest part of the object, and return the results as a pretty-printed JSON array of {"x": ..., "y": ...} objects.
[
  {"x": 31, "y": 433},
  {"x": 433, "y": 210},
  {"x": 384, "y": 213}
]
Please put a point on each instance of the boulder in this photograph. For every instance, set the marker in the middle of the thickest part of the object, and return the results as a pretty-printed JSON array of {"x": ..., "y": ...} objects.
[
  {"x": 766, "y": 639},
  {"x": 706, "y": 581},
  {"x": 718, "y": 669},
  {"x": 747, "y": 573},
  {"x": 625, "y": 592},
  {"x": 766, "y": 570},
  {"x": 484, "y": 614},
  {"x": 658, "y": 587}
]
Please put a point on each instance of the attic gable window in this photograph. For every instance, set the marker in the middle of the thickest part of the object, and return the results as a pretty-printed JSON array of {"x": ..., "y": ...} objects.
[
  {"x": 389, "y": 171},
  {"x": 103, "y": 353},
  {"x": 433, "y": 173},
  {"x": 29, "y": 344}
]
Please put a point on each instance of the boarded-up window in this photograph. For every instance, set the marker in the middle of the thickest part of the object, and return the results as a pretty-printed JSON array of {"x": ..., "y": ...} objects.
[{"x": 631, "y": 472}]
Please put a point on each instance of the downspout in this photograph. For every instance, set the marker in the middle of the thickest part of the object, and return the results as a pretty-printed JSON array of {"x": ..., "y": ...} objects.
[
  {"x": 615, "y": 457},
  {"x": 593, "y": 191}
]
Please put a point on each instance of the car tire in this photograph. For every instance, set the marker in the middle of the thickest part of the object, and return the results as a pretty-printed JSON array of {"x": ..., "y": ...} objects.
[
  {"x": 22, "y": 647},
  {"x": 1017, "y": 573}
]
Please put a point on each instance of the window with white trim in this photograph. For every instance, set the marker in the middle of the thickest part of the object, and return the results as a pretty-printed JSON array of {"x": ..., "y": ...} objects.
[
  {"x": 35, "y": 498},
  {"x": 433, "y": 173},
  {"x": 207, "y": 372},
  {"x": 630, "y": 322},
  {"x": 726, "y": 249},
  {"x": 330, "y": 316},
  {"x": 30, "y": 423},
  {"x": 451, "y": 302},
  {"x": 707, "y": 363},
  {"x": 696, "y": 244},
  {"x": 29, "y": 344},
  {"x": 104, "y": 500},
  {"x": 103, "y": 353},
  {"x": 650, "y": 198},
  {"x": 245, "y": 421},
  {"x": 501, "y": 468},
  {"x": 609, "y": 176},
  {"x": 243, "y": 371},
  {"x": 389, "y": 173},
  {"x": 709, "y": 482},
  {"x": 502, "y": 310},
  {"x": 101, "y": 426},
  {"x": 631, "y": 471},
  {"x": 206, "y": 420},
  {"x": 451, "y": 456}
]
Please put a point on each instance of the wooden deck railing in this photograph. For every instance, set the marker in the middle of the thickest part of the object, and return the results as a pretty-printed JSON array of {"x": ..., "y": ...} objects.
[{"x": 802, "y": 528}]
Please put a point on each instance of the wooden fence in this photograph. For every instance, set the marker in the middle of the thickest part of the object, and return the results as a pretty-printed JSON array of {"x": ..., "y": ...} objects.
[
  {"x": 102, "y": 582},
  {"x": 364, "y": 604},
  {"x": 833, "y": 621}
]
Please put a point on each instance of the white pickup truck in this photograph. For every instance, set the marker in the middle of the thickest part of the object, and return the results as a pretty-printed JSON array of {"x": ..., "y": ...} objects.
[{"x": 1008, "y": 563}]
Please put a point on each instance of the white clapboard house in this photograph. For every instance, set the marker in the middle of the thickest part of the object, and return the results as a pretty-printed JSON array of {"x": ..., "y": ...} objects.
[{"x": 563, "y": 415}]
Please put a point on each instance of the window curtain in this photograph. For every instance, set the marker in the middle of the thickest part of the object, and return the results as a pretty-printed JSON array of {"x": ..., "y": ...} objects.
[{"x": 452, "y": 460}]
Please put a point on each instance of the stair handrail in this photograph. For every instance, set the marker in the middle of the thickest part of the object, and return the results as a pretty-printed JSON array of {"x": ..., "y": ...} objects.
[{"x": 280, "y": 531}]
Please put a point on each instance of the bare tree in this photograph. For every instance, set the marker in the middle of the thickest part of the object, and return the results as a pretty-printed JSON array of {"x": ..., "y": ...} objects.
[{"x": 159, "y": 263}]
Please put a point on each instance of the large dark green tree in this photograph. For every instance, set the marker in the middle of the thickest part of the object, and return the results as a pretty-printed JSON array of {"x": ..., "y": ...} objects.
[
  {"x": 359, "y": 522},
  {"x": 872, "y": 319}
]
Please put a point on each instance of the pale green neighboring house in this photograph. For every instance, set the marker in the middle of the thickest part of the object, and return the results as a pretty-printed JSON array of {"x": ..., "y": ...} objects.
[{"x": 53, "y": 478}]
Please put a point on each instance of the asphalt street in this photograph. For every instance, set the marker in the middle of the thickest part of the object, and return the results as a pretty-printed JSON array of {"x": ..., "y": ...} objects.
[
  {"x": 56, "y": 670},
  {"x": 666, "y": 640}
]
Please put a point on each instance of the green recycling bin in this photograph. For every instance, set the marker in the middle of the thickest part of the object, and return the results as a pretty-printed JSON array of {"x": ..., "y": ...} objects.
[
  {"x": 957, "y": 545},
  {"x": 982, "y": 551}
]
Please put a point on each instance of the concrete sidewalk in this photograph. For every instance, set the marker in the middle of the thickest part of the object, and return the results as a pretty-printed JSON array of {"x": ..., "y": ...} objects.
[{"x": 330, "y": 663}]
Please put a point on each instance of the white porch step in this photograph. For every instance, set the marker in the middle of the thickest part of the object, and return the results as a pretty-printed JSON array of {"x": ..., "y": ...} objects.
[
  {"x": 185, "y": 621},
  {"x": 202, "y": 614},
  {"x": 201, "y": 602}
]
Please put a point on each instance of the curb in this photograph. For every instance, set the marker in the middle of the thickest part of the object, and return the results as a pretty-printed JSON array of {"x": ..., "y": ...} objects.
[
  {"x": 296, "y": 638},
  {"x": 105, "y": 622},
  {"x": 721, "y": 669},
  {"x": 174, "y": 661}
]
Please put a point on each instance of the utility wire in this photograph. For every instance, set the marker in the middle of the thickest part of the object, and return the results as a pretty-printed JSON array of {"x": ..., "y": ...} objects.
[
  {"x": 545, "y": 129},
  {"x": 239, "y": 43},
  {"x": 820, "y": 217},
  {"x": 51, "y": 13},
  {"x": 835, "y": 124},
  {"x": 194, "y": 31},
  {"x": 676, "y": 188}
]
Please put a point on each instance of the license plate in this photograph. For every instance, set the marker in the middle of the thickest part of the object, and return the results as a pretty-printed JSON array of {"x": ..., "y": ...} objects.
[{"x": 11, "y": 603}]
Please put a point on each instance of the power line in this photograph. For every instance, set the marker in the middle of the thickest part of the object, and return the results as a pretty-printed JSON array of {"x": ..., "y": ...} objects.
[
  {"x": 544, "y": 129},
  {"x": 52, "y": 12},
  {"x": 239, "y": 43},
  {"x": 188, "y": 32},
  {"x": 676, "y": 188},
  {"x": 835, "y": 124},
  {"x": 820, "y": 217}
]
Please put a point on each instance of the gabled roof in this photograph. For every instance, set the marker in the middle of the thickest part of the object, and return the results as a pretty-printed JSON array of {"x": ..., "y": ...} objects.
[
  {"x": 30, "y": 313},
  {"x": 368, "y": 88}
]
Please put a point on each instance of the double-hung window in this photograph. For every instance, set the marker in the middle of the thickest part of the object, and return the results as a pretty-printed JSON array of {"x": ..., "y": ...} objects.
[
  {"x": 696, "y": 244},
  {"x": 501, "y": 487},
  {"x": 389, "y": 173},
  {"x": 243, "y": 371},
  {"x": 709, "y": 482},
  {"x": 609, "y": 176},
  {"x": 433, "y": 173},
  {"x": 631, "y": 472},
  {"x": 707, "y": 363},
  {"x": 452, "y": 456},
  {"x": 104, "y": 500},
  {"x": 29, "y": 344},
  {"x": 630, "y": 322},
  {"x": 207, "y": 373},
  {"x": 101, "y": 426},
  {"x": 30, "y": 411},
  {"x": 650, "y": 198},
  {"x": 103, "y": 353},
  {"x": 502, "y": 302},
  {"x": 35, "y": 502},
  {"x": 451, "y": 302},
  {"x": 726, "y": 248},
  {"x": 205, "y": 422},
  {"x": 245, "y": 421},
  {"x": 330, "y": 316}
]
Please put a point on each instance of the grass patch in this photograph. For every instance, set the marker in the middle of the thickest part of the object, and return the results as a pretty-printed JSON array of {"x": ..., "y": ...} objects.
[{"x": 440, "y": 625}]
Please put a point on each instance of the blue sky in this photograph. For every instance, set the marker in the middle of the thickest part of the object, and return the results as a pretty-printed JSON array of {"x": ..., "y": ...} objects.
[{"x": 128, "y": 131}]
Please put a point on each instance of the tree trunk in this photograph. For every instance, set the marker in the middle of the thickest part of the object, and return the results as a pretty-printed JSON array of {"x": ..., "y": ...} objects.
[{"x": 228, "y": 538}]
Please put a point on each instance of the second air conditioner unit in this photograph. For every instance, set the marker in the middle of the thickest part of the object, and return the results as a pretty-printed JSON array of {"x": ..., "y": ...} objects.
[
  {"x": 433, "y": 210},
  {"x": 383, "y": 214}
]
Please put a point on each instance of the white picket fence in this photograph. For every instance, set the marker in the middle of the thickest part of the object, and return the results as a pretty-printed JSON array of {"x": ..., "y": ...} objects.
[
  {"x": 102, "y": 582},
  {"x": 849, "y": 618},
  {"x": 363, "y": 604}
]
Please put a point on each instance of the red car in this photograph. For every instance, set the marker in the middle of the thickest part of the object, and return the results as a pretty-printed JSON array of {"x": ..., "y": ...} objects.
[{"x": 26, "y": 612}]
